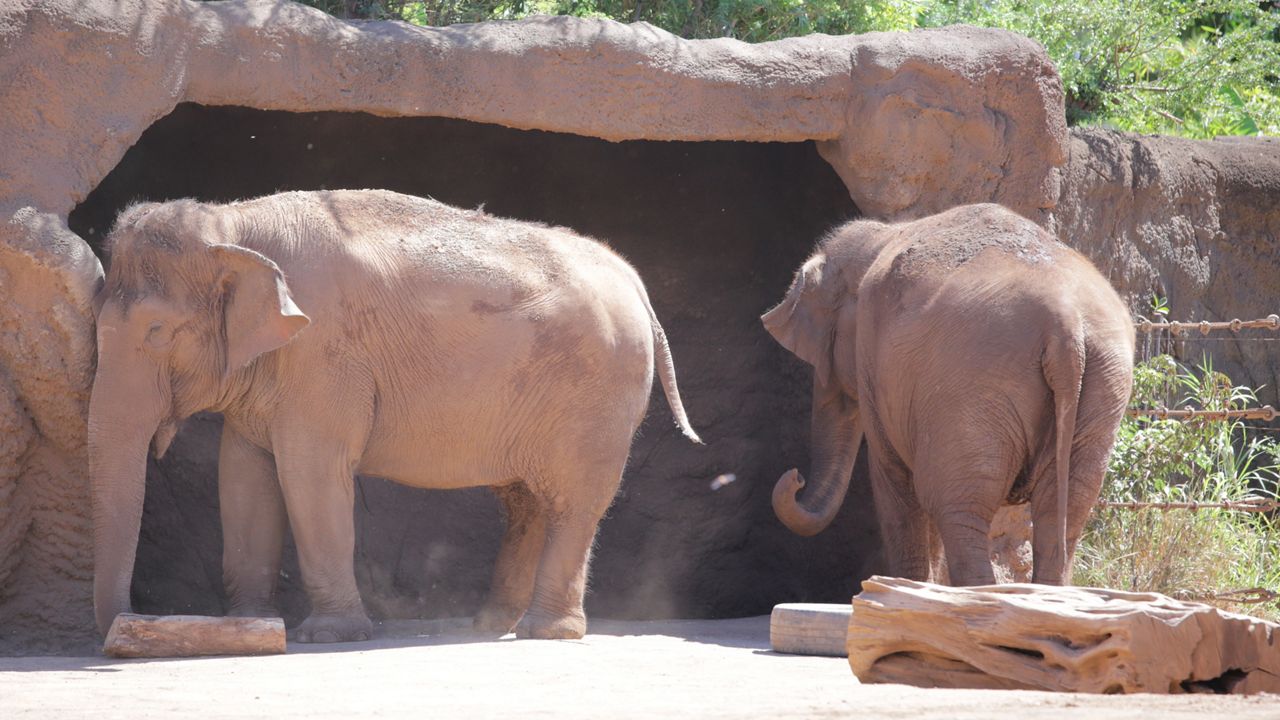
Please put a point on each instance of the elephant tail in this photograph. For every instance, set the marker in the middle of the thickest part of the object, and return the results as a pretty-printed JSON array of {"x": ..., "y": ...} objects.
[
  {"x": 666, "y": 368},
  {"x": 1064, "y": 372}
]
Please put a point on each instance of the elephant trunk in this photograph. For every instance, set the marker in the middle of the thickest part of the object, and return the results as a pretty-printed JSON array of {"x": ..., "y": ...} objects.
[
  {"x": 120, "y": 430},
  {"x": 836, "y": 433}
]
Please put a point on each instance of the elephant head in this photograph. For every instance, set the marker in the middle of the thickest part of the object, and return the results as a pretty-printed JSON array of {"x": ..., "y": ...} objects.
[
  {"x": 817, "y": 321},
  {"x": 183, "y": 311}
]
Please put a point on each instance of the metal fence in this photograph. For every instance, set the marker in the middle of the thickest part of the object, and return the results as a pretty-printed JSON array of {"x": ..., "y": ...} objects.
[{"x": 1161, "y": 337}]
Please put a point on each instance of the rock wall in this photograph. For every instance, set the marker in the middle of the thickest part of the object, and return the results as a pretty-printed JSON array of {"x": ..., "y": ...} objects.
[
  {"x": 911, "y": 123},
  {"x": 1193, "y": 221},
  {"x": 47, "y": 275}
]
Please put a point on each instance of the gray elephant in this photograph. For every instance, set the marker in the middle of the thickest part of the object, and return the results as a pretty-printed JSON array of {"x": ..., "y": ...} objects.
[
  {"x": 986, "y": 363},
  {"x": 374, "y": 333}
]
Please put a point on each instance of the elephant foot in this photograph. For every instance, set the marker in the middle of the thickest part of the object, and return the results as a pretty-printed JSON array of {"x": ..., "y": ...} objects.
[
  {"x": 334, "y": 628},
  {"x": 496, "y": 619},
  {"x": 541, "y": 627}
]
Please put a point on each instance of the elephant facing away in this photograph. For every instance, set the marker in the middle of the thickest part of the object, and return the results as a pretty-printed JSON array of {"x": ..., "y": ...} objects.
[
  {"x": 986, "y": 364},
  {"x": 375, "y": 333}
]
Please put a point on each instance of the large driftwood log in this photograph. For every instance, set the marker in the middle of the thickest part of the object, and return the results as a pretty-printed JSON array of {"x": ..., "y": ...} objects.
[
  {"x": 1056, "y": 638},
  {"x": 139, "y": 636}
]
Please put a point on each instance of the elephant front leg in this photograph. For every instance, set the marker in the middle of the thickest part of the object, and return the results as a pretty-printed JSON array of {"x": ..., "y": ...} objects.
[
  {"x": 511, "y": 591},
  {"x": 904, "y": 529},
  {"x": 253, "y": 522},
  {"x": 319, "y": 493}
]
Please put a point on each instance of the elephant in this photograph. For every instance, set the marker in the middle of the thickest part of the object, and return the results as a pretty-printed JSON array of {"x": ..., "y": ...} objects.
[
  {"x": 368, "y": 332},
  {"x": 984, "y": 362}
]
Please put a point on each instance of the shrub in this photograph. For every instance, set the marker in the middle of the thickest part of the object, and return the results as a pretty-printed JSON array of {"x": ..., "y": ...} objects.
[
  {"x": 1197, "y": 68},
  {"x": 1186, "y": 553}
]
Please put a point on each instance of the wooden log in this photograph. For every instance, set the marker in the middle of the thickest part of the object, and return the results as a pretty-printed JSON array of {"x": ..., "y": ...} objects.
[
  {"x": 1056, "y": 638},
  {"x": 809, "y": 629},
  {"x": 155, "y": 636}
]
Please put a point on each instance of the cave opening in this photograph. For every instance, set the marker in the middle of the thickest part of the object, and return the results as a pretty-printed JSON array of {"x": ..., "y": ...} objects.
[{"x": 715, "y": 229}]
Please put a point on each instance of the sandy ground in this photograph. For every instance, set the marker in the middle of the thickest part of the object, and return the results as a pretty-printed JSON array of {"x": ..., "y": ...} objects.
[{"x": 720, "y": 668}]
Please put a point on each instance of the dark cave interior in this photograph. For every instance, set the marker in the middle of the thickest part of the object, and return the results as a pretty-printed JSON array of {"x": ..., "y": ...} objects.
[{"x": 715, "y": 230}]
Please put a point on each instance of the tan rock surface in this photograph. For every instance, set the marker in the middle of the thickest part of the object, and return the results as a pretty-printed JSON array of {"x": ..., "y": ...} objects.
[
  {"x": 1036, "y": 637},
  {"x": 47, "y": 275},
  {"x": 982, "y": 108},
  {"x": 1010, "y": 538}
]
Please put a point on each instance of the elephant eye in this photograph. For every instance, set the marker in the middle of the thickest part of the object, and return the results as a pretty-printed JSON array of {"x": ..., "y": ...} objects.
[{"x": 158, "y": 335}]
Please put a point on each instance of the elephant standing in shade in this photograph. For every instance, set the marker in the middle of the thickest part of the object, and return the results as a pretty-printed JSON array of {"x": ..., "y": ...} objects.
[
  {"x": 374, "y": 333},
  {"x": 986, "y": 364}
]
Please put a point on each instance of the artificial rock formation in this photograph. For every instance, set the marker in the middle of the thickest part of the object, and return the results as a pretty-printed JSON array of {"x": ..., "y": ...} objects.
[
  {"x": 1196, "y": 222},
  {"x": 1039, "y": 637},
  {"x": 935, "y": 118},
  {"x": 912, "y": 123}
]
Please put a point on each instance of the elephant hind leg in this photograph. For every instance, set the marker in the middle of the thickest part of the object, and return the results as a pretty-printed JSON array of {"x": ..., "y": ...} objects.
[
  {"x": 1088, "y": 467},
  {"x": 511, "y": 591},
  {"x": 965, "y": 540},
  {"x": 574, "y": 511},
  {"x": 1104, "y": 396},
  {"x": 962, "y": 497}
]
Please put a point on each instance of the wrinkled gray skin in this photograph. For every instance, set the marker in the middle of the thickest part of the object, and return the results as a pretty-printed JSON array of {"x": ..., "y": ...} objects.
[
  {"x": 986, "y": 364},
  {"x": 374, "y": 333}
]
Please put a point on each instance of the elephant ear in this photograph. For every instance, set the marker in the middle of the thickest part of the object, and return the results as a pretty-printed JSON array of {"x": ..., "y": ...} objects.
[
  {"x": 804, "y": 322},
  {"x": 259, "y": 314}
]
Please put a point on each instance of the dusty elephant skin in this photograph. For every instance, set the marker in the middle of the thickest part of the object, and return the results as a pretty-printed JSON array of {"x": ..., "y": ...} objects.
[
  {"x": 985, "y": 363},
  {"x": 672, "y": 545},
  {"x": 370, "y": 332}
]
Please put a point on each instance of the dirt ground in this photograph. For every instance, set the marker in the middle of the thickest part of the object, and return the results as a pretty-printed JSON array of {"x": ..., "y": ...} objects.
[{"x": 718, "y": 668}]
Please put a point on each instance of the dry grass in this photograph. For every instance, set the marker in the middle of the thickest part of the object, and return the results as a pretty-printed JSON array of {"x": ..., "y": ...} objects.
[{"x": 1185, "y": 553}]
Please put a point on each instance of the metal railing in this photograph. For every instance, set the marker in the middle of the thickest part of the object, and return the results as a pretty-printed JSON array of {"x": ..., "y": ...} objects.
[
  {"x": 1180, "y": 331},
  {"x": 1246, "y": 505},
  {"x": 1175, "y": 328},
  {"x": 1265, "y": 413}
]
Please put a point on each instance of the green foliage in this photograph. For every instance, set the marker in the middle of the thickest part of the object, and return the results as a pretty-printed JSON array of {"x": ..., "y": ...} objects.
[
  {"x": 431, "y": 13},
  {"x": 762, "y": 20},
  {"x": 751, "y": 20},
  {"x": 1188, "y": 67},
  {"x": 1206, "y": 461}
]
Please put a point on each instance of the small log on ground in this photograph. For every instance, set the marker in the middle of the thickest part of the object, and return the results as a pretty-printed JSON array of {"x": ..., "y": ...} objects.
[
  {"x": 809, "y": 629},
  {"x": 1056, "y": 638},
  {"x": 156, "y": 636}
]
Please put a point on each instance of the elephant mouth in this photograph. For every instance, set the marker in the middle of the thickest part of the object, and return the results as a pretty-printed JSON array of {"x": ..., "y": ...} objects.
[{"x": 164, "y": 436}]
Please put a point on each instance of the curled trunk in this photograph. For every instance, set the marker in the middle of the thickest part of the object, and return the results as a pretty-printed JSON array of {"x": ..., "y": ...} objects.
[{"x": 836, "y": 433}]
